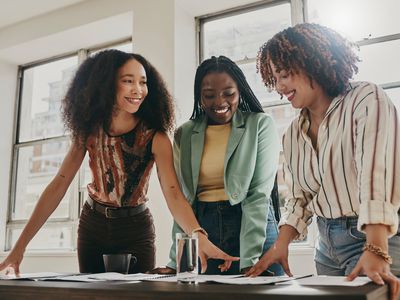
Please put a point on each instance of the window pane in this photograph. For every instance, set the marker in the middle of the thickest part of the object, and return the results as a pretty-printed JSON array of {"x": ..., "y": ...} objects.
[
  {"x": 240, "y": 36},
  {"x": 357, "y": 19},
  {"x": 48, "y": 238},
  {"x": 283, "y": 116},
  {"x": 394, "y": 95},
  {"x": 37, "y": 165},
  {"x": 42, "y": 90},
  {"x": 379, "y": 62},
  {"x": 85, "y": 179},
  {"x": 265, "y": 96}
]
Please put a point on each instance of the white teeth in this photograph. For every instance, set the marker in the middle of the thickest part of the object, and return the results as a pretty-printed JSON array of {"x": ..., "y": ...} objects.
[
  {"x": 133, "y": 100},
  {"x": 221, "y": 111},
  {"x": 290, "y": 94}
]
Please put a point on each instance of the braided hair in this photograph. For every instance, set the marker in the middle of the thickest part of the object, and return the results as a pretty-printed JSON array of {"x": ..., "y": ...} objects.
[
  {"x": 323, "y": 54},
  {"x": 221, "y": 64}
]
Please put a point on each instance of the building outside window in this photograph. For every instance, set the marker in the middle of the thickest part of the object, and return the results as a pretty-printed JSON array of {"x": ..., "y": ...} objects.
[
  {"x": 238, "y": 34},
  {"x": 41, "y": 142}
]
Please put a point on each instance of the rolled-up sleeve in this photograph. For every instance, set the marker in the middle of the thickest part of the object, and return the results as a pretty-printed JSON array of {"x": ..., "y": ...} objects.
[{"x": 376, "y": 153}]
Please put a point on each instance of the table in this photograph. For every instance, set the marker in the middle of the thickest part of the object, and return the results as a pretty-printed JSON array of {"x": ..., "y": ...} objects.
[{"x": 46, "y": 290}]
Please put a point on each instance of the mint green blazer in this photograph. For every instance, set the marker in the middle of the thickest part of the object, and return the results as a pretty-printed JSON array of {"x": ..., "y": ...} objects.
[{"x": 250, "y": 166}]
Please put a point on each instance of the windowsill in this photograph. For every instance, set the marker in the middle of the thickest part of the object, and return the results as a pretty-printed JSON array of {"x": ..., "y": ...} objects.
[{"x": 304, "y": 249}]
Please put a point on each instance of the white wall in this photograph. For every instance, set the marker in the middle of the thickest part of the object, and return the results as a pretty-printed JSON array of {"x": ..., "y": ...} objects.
[{"x": 162, "y": 30}]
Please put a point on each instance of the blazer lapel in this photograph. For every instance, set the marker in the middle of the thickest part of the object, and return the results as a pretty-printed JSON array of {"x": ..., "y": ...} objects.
[
  {"x": 236, "y": 135},
  {"x": 197, "y": 145}
]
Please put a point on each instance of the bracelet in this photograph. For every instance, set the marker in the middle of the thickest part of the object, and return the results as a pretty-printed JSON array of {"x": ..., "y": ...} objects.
[
  {"x": 201, "y": 230},
  {"x": 378, "y": 251}
]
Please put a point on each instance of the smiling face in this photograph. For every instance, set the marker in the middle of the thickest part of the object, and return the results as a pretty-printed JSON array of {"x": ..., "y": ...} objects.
[
  {"x": 219, "y": 97},
  {"x": 296, "y": 87},
  {"x": 131, "y": 87}
]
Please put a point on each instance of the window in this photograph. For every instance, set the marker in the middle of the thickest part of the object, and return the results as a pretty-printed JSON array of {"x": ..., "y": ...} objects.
[
  {"x": 379, "y": 41},
  {"x": 231, "y": 34},
  {"x": 238, "y": 34},
  {"x": 41, "y": 143}
]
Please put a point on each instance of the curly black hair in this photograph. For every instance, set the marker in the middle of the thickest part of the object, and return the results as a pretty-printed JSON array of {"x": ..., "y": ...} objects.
[
  {"x": 221, "y": 64},
  {"x": 323, "y": 54},
  {"x": 89, "y": 102}
]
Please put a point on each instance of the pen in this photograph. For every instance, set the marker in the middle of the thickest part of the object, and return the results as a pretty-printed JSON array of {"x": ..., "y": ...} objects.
[{"x": 294, "y": 278}]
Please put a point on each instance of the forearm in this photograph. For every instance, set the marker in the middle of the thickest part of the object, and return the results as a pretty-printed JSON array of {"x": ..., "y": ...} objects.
[
  {"x": 182, "y": 213},
  {"x": 287, "y": 234},
  {"x": 377, "y": 234},
  {"x": 47, "y": 203}
]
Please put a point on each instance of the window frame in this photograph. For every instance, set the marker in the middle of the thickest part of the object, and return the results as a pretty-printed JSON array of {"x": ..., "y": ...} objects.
[
  {"x": 367, "y": 42},
  {"x": 299, "y": 14},
  {"x": 77, "y": 192}
]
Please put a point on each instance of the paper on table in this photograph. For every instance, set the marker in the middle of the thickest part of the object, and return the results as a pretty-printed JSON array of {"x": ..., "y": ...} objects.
[
  {"x": 249, "y": 280},
  {"x": 323, "y": 280},
  {"x": 31, "y": 276},
  {"x": 162, "y": 278},
  {"x": 230, "y": 279},
  {"x": 76, "y": 277},
  {"x": 111, "y": 276}
]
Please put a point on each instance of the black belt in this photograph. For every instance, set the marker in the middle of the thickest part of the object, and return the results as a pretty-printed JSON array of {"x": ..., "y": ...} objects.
[{"x": 112, "y": 212}]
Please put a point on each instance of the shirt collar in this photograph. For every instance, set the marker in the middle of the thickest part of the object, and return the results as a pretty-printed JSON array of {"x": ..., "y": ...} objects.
[{"x": 334, "y": 104}]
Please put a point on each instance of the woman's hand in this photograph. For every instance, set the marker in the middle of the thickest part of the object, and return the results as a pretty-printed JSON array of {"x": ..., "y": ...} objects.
[
  {"x": 209, "y": 250},
  {"x": 162, "y": 270},
  {"x": 278, "y": 253},
  {"x": 374, "y": 266},
  {"x": 265, "y": 273},
  {"x": 378, "y": 271},
  {"x": 13, "y": 260}
]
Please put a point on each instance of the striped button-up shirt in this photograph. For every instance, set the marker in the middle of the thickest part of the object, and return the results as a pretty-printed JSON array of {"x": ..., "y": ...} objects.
[{"x": 355, "y": 168}]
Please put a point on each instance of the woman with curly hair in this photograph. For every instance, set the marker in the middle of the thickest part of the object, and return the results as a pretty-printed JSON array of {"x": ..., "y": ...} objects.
[
  {"x": 341, "y": 156},
  {"x": 118, "y": 110}
]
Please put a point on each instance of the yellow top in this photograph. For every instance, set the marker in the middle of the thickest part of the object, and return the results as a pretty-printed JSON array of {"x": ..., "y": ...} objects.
[{"x": 211, "y": 178}]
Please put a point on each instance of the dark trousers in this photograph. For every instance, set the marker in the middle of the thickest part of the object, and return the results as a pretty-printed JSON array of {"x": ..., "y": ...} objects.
[
  {"x": 222, "y": 221},
  {"x": 98, "y": 235}
]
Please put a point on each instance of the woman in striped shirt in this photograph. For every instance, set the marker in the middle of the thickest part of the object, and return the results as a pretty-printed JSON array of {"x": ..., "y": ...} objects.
[{"x": 341, "y": 157}]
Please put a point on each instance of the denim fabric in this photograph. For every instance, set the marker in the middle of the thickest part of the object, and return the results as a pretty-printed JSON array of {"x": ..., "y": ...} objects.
[
  {"x": 340, "y": 246},
  {"x": 222, "y": 221},
  {"x": 272, "y": 235},
  {"x": 98, "y": 235}
]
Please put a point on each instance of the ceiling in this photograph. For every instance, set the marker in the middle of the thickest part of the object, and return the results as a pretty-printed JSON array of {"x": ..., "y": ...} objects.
[{"x": 14, "y": 11}]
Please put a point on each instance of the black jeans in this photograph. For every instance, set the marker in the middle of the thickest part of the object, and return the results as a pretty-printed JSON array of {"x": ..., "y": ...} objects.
[{"x": 98, "y": 235}]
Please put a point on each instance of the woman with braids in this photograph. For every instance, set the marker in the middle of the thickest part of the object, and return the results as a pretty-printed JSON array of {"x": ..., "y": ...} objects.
[
  {"x": 119, "y": 111},
  {"x": 226, "y": 158},
  {"x": 341, "y": 154}
]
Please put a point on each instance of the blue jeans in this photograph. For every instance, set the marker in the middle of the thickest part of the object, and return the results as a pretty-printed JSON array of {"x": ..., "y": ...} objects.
[
  {"x": 222, "y": 221},
  {"x": 340, "y": 246}
]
